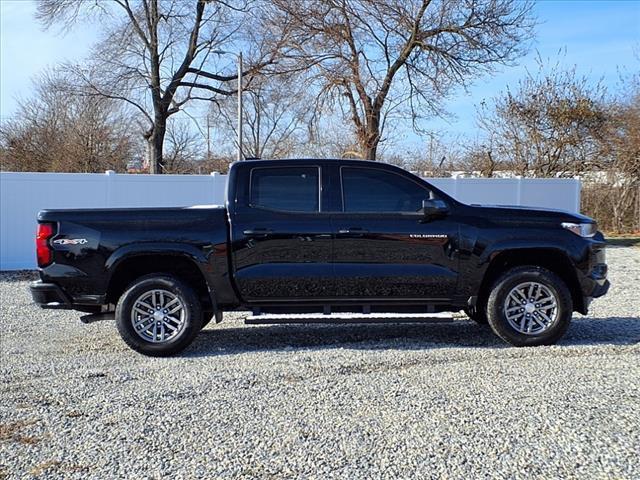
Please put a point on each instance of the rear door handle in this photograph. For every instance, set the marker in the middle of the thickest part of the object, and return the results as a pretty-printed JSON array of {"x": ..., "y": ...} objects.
[
  {"x": 353, "y": 231},
  {"x": 257, "y": 232}
]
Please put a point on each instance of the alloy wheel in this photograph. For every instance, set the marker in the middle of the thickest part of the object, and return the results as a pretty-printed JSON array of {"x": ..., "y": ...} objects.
[
  {"x": 531, "y": 308},
  {"x": 158, "y": 316}
]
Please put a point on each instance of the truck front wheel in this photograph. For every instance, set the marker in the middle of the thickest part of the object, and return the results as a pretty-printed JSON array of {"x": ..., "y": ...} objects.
[
  {"x": 158, "y": 315},
  {"x": 529, "y": 306}
]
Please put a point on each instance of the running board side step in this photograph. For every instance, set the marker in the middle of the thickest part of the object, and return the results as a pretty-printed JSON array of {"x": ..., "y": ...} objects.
[{"x": 338, "y": 318}]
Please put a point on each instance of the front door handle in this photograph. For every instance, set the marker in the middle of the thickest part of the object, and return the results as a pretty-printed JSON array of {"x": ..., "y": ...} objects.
[
  {"x": 353, "y": 231},
  {"x": 257, "y": 232}
]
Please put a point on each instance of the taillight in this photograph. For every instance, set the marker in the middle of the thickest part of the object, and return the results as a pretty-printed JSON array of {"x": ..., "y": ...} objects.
[{"x": 43, "y": 250}]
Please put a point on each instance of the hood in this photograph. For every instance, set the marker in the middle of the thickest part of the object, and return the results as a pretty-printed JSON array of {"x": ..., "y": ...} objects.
[{"x": 513, "y": 213}]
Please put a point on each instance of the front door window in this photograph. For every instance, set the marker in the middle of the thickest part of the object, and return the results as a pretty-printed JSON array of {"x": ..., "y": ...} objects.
[{"x": 367, "y": 190}]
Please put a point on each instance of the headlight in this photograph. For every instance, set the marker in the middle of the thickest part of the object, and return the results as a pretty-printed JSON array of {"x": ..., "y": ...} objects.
[{"x": 581, "y": 229}]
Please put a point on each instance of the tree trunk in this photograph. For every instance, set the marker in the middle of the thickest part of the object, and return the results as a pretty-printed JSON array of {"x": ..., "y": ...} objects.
[
  {"x": 636, "y": 227},
  {"x": 372, "y": 136},
  {"x": 370, "y": 151},
  {"x": 155, "y": 144}
]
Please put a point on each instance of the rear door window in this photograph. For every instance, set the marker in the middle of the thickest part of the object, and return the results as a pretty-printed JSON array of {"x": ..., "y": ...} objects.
[{"x": 288, "y": 189}]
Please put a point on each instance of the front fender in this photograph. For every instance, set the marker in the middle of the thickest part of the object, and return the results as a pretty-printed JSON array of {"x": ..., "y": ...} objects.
[
  {"x": 493, "y": 250},
  {"x": 479, "y": 264}
]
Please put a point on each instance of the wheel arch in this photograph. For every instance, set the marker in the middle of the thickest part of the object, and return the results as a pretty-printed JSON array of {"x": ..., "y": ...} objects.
[
  {"x": 128, "y": 267},
  {"x": 553, "y": 259}
]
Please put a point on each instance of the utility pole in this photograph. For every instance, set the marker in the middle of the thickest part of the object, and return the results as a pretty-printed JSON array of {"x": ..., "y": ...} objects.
[
  {"x": 208, "y": 137},
  {"x": 257, "y": 149},
  {"x": 240, "y": 156},
  {"x": 239, "y": 57}
]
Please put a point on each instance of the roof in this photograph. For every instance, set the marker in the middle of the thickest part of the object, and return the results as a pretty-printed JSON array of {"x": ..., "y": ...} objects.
[{"x": 300, "y": 161}]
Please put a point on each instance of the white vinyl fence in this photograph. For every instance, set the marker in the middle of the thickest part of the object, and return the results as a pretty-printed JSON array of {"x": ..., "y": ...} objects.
[{"x": 22, "y": 195}]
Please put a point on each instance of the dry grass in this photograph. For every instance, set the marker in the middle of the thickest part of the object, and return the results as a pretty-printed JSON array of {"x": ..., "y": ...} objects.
[
  {"x": 623, "y": 240},
  {"x": 44, "y": 466},
  {"x": 11, "y": 432}
]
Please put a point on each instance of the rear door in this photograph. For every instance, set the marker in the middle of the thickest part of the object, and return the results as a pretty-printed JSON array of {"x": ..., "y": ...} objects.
[
  {"x": 281, "y": 236},
  {"x": 384, "y": 247}
]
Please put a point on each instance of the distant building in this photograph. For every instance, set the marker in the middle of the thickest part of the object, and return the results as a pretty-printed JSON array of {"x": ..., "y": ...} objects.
[{"x": 136, "y": 165}]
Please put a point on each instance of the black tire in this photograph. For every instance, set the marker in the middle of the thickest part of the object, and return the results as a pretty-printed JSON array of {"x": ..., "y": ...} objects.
[
  {"x": 514, "y": 277},
  {"x": 191, "y": 320},
  {"x": 477, "y": 314}
]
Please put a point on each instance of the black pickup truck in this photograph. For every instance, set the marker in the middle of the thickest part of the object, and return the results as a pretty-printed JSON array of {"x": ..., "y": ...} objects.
[{"x": 298, "y": 236}]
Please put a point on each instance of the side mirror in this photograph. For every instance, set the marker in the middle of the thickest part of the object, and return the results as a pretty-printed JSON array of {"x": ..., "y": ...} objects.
[{"x": 434, "y": 208}]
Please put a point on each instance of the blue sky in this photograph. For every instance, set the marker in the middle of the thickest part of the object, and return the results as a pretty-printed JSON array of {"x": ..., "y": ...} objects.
[
  {"x": 599, "y": 37},
  {"x": 26, "y": 49}
]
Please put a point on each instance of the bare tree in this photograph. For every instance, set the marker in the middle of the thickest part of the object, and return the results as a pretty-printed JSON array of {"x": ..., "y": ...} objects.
[
  {"x": 215, "y": 163},
  {"x": 479, "y": 158},
  {"x": 550, "y": 125},
  {"x": 184, "y": 148},
  {"x": 558, "y": 124},
  {"x": 330, "y": 137},
  {"x": 276, "y": 117},
  {"x": 620, "y": 159},
  {"x": 156, "y": 55},
  {"x": 53, "y": 132},
  {"x": 376, "y": 57},
  {"x": 436, "y": 157}
]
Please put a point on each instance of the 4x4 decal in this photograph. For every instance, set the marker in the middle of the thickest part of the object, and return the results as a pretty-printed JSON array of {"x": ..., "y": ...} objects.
[{"x": 70, "y": 241}]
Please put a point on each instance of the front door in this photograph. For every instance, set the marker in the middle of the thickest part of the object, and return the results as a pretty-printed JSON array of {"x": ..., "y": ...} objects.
[
  {"x": 384, "y": 247},
  {"x": 281, "y": 239}
]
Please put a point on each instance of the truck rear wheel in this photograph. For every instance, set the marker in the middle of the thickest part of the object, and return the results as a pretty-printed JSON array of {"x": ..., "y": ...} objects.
[
  {"x": 158, "y": 315},
  {"x": 529, "y": 306}
]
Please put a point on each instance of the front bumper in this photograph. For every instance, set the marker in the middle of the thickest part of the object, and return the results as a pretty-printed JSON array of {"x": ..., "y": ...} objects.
[
  {"x": 600, "y": 289},
  {"x": 598, "y": 278},
  {"x": 595, "y": 284},
  {"x": 49, "y": 295}
]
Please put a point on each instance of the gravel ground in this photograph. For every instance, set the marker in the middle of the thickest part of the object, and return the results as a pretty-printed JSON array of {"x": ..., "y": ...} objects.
[{"x": 383, "y": 401}]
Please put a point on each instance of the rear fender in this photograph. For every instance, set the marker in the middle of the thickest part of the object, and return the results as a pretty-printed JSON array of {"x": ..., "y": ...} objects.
[
  {"x": 198, "y": 257},
  {"x": 158, "y": 248}
]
